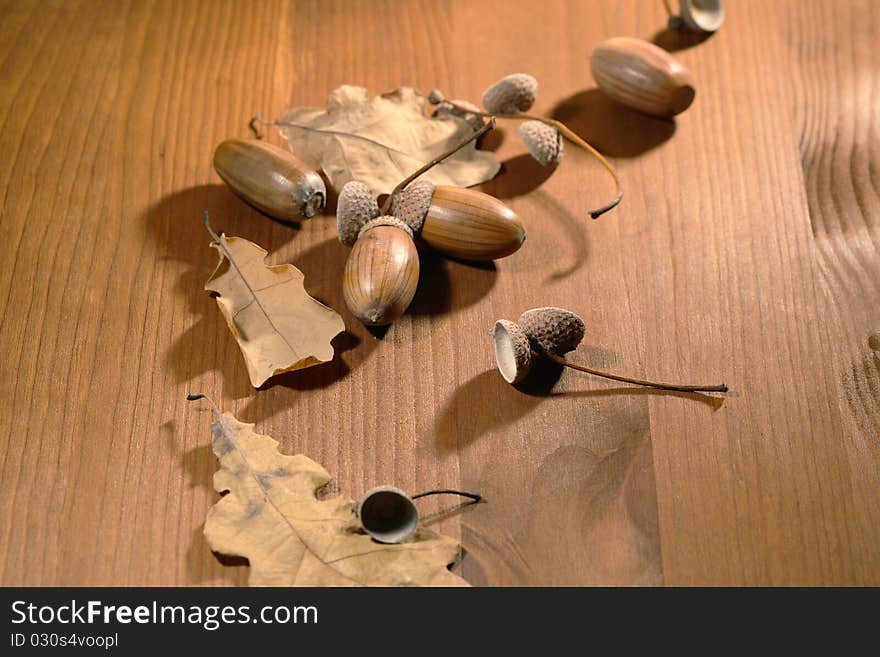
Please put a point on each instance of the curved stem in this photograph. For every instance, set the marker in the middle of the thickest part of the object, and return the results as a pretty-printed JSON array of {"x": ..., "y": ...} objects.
[
  {"x": 474, "y": 497},
  {"x": 625, "y": 379},
  {"x": 201, "y": 395},
  {"x": 573, "y": 137},
  {"x": 386, "y": 206}
]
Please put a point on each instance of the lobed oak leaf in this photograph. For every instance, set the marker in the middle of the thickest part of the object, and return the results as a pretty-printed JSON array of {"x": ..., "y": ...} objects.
[
  {"x": 271, "y": 514},
  {"x": 380, "y": 141},
  {"x": 278, "y": 326}
]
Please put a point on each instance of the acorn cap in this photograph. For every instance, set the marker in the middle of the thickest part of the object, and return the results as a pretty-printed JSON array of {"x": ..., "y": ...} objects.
[
  {"x": 702, "y": 15},
  {"x": 386, "y": 220},
  {"x": 513, "y": 353},
  {"x": 435, "y": 97},
  {"x": 552, "y": 329},
  {"x": 356, "y": 206},
  {"x": 543, "y": 141},
  {"x": 463, "y": 110},
  {"x": 388, "y": 514},
  {"x": 411, "y": 205},
  {"x": 512, "y": 94}
]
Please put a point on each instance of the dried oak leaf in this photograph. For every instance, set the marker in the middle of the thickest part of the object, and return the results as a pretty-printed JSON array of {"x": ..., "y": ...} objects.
[
  {"x": 271, "y": 514},
  {"x": 379, "y": 142},
  {"x": 278, "y": 326}
]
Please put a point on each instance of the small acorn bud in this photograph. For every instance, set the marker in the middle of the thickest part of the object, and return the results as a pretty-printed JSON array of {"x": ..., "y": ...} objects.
[
  {"x": 435, "y": 97},
  {"x": 355, "y": 207},
  {"x": 553, "y": 329},
  {"x": 511, "y": 95},
  {"x": 388, "y": 514},
  {"x": 513, "y": 353},
  {"x": 463, "y": 110},
  {"x": 382, "y": 272},
  {"x": 543, "y": 142},
  {"x": 269, "y": 178},
  {"x": 460, "y": 222},
  {"x": 642, "y": 76}
]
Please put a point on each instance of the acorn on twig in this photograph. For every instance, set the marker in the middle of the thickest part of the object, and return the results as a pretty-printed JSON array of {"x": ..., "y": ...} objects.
[
  {"x": 382, "y": 271},
  {"x": 549, "y": 333},
  {"x": 511, "y": 94},
  {"x": 544, "y": 142},
  {"x": 271, "y": 179}
]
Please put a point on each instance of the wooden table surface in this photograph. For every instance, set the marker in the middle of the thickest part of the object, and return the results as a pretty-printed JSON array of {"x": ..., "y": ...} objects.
[{"x": 747, "y": 249}]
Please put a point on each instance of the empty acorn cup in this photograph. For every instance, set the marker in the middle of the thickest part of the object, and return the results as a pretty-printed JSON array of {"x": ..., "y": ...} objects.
[
  {"x": 550, "y": 333},
  {"x": 642, "y": 76},
  {"x": 389, "y": 515},
  {"x": 270, "y": 178},
  {"x": 697, "y": 15}
]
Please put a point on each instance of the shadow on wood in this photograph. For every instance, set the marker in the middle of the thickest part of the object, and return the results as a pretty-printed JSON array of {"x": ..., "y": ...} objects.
[
  {"x": 612, "y": 128},
  {"x": 448, "y": 284},
  {"x": 518, "y": 176},
  {"x": 675, "y": 40}
]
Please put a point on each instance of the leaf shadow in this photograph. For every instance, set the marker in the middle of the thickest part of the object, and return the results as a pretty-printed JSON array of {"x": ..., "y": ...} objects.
[
  {"x": 613, "y": 129},
  {"x": 675, "y": 40},
  {"x": 176, "y": 223}
]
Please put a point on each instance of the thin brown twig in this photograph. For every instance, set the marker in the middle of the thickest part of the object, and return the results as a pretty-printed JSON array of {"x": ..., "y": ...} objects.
[
  {"x": 573, "y": 137},
  {"x": 625, "y": 379}
]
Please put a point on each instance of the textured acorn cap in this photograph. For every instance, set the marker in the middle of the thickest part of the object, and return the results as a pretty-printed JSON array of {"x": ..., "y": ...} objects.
[
  {"x": 356, "y": 206},
  {"x": 513, "y": 353},
  {"x": 512, "y": 94},
  {"x": 553, "y": 329},
  {"x": 543, "y": 141},
  {"x": 385, "y": 221},
  {"x": 411, "y": 205},
  {"x": 463, "y": 110}
]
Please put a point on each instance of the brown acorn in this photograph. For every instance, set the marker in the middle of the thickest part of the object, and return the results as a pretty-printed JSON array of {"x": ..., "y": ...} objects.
[
  {"x": 382, "y": 272},
  {"x": 269, "y": 178},
  {"x": 460, "y": 222},
  {"x": 642, "y": 76}
]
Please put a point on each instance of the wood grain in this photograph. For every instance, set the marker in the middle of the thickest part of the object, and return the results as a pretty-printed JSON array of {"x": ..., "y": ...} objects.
[{"x": 746, "y": 249}]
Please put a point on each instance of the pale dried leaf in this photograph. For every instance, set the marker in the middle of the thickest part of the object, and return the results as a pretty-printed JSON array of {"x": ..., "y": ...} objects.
[
  {"x": 393, "y": 138},
  {"x": 271, "y": 515},
  {"x": 278, "y": 326}
]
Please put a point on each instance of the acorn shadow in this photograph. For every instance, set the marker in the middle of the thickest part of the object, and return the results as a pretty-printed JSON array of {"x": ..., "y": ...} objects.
[
  {"x": 447, "y": 284},
  {"x": 613, "y": 129},
  {"x": 675, "y": 40},
  {"x": 518, "y": 176}
]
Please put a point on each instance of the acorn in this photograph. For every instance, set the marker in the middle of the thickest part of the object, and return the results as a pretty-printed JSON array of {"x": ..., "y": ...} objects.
[
  {"x": 544, "y": 142},
  {"x": 642, "y": 76},
  {"x": 511, "y": 94},
  {"x": 382, "y": 272},
  {"x": 460, "y": 222},
  {"x": 553, "y": 329},
  {"x": 387, "y": 514},
  {"x": 269, "y": 178}
]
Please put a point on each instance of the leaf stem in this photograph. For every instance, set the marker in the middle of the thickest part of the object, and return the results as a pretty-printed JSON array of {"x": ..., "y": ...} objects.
[
  {"x": 474, "y": 497},
  {"x": 386, "y": 207},
  {"x": 201, "y": 395},
  {"x": 226, "y": 253},
  {"x": 625, "y": 379},
  {"x": 573, "y": 137}
]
